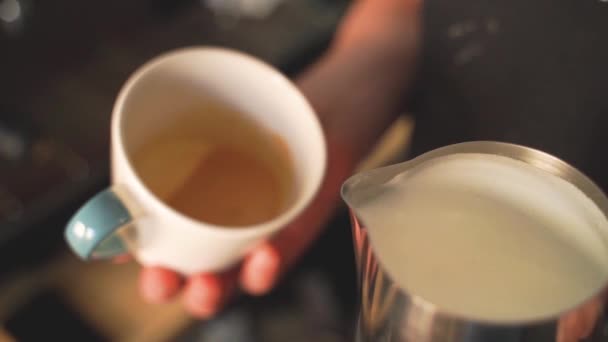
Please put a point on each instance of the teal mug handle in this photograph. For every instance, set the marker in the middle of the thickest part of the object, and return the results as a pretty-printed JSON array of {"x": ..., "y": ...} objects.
[{"x": 91, "y": 232}]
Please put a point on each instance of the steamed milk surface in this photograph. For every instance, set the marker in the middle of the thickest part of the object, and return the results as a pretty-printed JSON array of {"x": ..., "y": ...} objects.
[{"x": 489, "y": 237}]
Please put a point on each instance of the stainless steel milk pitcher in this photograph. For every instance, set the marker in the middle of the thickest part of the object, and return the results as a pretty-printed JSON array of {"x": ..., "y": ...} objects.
[{"x": 389, "y": 313}]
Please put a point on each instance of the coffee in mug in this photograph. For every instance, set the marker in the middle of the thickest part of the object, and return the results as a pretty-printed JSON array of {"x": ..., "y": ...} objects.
[{"x": 217, "y": 166}]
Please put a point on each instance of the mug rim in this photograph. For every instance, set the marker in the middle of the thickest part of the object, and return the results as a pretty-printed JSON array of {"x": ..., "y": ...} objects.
[{"x": 306, "y": 194}]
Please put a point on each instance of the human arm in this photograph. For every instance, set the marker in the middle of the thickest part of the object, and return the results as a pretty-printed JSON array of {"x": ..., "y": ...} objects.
[{"x": 357, "y": 89}]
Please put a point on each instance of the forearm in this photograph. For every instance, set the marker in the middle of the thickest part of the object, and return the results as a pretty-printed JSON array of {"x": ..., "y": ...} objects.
[
  {"x": 357, "y": 91},
  {"x": 357, "y": 96},
  {"x": 358, "y": 87}
]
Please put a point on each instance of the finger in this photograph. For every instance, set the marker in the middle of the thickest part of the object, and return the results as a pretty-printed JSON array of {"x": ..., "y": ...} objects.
[
  {"x": 264, "y": 265},
  {"x": 158, "y": 284},
  {"x": 261, "y": 269},
  {"x": 579, "y": 324},
  {"x": 567, "y": 328},
  {"x": 589, "y": 316},
  {"x": 205, "y": 294}
]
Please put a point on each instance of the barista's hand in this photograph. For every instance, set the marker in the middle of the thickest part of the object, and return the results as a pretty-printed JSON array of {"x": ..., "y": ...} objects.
[{"x": 205, "y": 294}]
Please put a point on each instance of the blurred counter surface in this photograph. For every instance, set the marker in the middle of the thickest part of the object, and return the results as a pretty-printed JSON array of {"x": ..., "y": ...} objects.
[{"x": 61, "y": 65}]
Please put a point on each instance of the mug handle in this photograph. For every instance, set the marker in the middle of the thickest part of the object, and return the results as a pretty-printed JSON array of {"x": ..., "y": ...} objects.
[{"x": 91, "y": 232}]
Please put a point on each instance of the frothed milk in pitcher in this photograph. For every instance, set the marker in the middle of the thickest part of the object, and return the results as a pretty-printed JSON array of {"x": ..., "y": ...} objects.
[{"x": 487, "y": 237}]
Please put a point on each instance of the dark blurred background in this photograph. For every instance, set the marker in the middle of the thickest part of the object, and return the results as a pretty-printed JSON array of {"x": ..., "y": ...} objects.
[{"x": 61, "y": 64}]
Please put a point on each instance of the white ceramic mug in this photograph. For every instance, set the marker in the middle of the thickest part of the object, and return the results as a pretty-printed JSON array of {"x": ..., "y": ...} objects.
[{"x": 127, "y": 217}]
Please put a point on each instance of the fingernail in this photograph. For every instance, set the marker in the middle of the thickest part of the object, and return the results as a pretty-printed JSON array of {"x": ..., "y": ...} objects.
[{"x": 122, "y": 259}]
